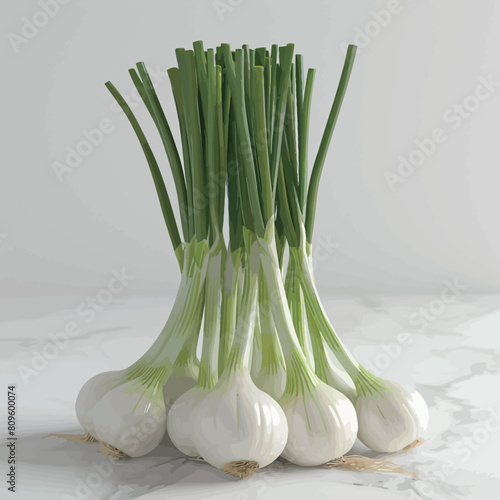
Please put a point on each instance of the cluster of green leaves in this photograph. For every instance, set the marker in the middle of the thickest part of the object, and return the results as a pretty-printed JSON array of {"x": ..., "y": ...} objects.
[{"x": 244, "y": 120}]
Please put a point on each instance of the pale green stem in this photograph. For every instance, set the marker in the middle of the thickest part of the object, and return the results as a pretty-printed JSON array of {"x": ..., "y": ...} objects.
[
  {"x": 230, "y": 298},
  {"x": 300, "y": 376},
  {"x": 363, "y": 380},
  {"x": 319, "y": 353},
  {"x": 297, "y": 308},
  {"x": 187, "y": 356},
  {"x": 272, "y": 355},
  {"x": 156, "y": 365},
  {"x": 256, "y": 356},
  {"x": 209, "y": 375},
  {"x": 239, "y": 357}
]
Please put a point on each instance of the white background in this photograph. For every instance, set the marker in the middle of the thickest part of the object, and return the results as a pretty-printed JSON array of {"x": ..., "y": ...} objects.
[{"x": 64, "y": 238}]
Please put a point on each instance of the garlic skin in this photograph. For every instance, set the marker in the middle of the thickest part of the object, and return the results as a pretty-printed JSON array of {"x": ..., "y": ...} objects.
[
  {"x": 180, "y": 421},
  {"x": 391, "y": 419},
  {"x": 322, "y": 425},
  {"x": 93, "y": 390},
  {"x": 130, "y": 417},
  {"x": 182, "y": 381},
  {"x": 272, "y": 383},
  {"x": 237, "y": 421}
]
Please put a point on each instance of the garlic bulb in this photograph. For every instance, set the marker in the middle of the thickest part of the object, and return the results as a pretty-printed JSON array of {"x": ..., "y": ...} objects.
[
  {"x": 93, "y": 390},
  {"x": 131, "y": 418},
  {"x": 182, "y": 381},
  {"x": 180, "y": 419},
  {"x": 236, "y": 421},
  {"x": 391, "y": 418},
  {"x": 321, "y": 421},
  {"x": 322, "y": 425},
  {"x": 236, "y": 426},
  {"x": 126, "y": 409}
]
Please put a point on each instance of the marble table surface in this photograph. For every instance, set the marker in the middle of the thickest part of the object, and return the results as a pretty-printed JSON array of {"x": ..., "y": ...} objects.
[{"x": 449, "y": 350}]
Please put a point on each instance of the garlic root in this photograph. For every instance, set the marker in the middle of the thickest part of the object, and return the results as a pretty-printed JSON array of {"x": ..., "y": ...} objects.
[
  {"x": 243, "y": 469},
  {"x": 111, "y": 451}
]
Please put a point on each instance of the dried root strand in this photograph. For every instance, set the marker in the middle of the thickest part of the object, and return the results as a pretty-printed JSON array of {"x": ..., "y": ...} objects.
[
  {"x": 415, "y": 443},
  {"x": 75, "y": 438},
  {"x": 106, "y": 448},
  {"x": 88, "y": 438},
  {"x": 365, "y": 464},
  {"x": 244, "y": 469},
  {"x": 111, "y": 451}
]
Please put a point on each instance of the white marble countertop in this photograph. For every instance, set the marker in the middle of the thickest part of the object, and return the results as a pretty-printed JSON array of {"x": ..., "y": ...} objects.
[{"x": 449, "y": 351}]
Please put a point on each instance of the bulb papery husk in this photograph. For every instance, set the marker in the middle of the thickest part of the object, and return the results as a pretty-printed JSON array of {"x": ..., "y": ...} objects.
[
  {"x": 180, "y": 420},
  {"x": 236, "y": 421},
  {"x": 322, "y": 425},
  {"x": 391, "y": 418},
  {"x": 131, "y": 418},
  {"x": 91, "y": 392}
]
